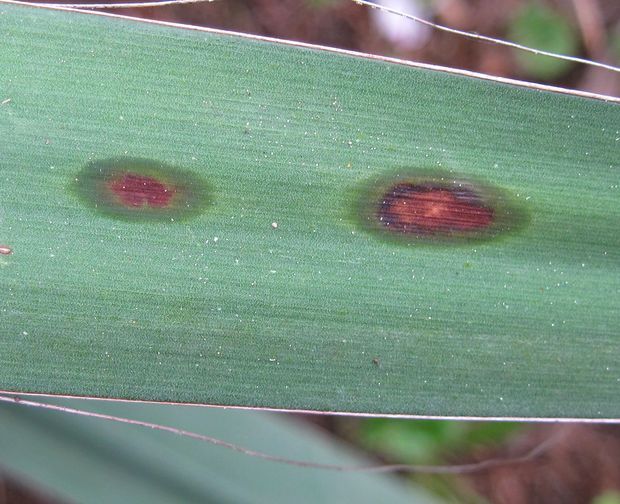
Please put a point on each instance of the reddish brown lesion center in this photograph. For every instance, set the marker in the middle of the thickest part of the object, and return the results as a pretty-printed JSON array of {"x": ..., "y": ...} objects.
[
  {"x": 433, "y": 209},
  {"x": 134, "y": 190}
]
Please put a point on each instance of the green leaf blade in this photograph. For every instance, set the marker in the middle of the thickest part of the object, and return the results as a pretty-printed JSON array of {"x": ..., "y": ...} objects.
[{"x": 315, "y": 313}]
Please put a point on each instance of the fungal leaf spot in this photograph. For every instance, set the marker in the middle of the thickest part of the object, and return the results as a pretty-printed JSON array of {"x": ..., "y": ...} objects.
[
  {"x": 429, "y": 206},
  {"x": 137, "y": 189},
  {"x": 431, "y": 209}
]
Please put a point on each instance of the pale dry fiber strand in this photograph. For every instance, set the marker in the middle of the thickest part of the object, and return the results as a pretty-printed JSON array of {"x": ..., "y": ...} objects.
[
  {"x": 476, "y": 36},
  {"x": 532, "y": 454}
]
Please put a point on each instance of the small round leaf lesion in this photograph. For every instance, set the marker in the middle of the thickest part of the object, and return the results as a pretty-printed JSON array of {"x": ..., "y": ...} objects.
[{"x": 139, "y": 190}]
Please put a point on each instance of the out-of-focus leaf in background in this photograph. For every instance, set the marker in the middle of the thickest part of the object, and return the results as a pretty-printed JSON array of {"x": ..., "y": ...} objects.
[
  {"x": 96, "y": 461},
  {"x": 540, "y": 27}
]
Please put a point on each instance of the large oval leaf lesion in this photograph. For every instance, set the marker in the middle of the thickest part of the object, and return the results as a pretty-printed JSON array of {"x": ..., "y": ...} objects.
[{"x": 436, "y": 207}]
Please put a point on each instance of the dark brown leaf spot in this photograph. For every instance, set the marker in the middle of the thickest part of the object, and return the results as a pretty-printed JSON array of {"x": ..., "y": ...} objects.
[{"x": 433, "y": 209}]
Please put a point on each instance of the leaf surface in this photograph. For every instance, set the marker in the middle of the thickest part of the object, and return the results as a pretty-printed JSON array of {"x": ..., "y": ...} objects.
[{"x": 276, "y": 292}]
